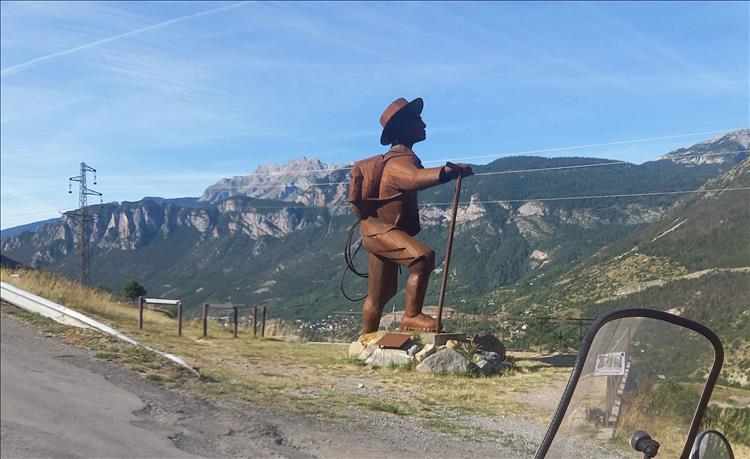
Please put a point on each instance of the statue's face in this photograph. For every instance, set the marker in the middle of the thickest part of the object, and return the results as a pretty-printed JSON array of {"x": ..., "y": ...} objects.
[{"x": 414, "y": 128}]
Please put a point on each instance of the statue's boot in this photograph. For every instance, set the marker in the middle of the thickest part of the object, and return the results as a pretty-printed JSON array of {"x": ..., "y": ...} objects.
[{"x": 420, "y": 322}]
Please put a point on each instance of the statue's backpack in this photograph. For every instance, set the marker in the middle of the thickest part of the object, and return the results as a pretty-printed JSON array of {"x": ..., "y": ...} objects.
[{"x": 364, "y": 191}]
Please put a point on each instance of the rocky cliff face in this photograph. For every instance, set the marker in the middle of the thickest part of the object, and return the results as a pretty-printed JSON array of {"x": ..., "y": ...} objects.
[
  {"x": 136, "y": 225},
  {"x": 728, "y": 148}
]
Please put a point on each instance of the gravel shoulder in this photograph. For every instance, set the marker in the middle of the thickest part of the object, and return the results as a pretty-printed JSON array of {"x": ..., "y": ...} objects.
[{"x": 59, "y": 400}]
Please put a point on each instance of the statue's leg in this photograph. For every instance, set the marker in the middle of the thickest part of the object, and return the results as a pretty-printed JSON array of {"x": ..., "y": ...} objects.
[
  {"x": 416, "y": 287},
  {"x": 381, "y": 286},
  {"x": 391, "y": 249}
]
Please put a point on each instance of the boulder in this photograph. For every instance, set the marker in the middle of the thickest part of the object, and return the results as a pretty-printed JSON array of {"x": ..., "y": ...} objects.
[
  {"x": 387, "y": 357},
  {"x": 413, "y": 348},
  {"x": 487, "y": 342},
  {"x": 356, "y": 348},
  {"x": 363, "y": 343},
  {"x": 488, "y": 363},
  {"x": 426, "y": 351},
  {"x": 452, "y": 344},
  {"x": 444, "y": 361},
  {"x": 367, "y": 352}
]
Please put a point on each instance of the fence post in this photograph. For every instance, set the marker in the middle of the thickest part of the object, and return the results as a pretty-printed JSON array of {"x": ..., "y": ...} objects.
[
  {"x": 235, "y": 321},
  {"x": 263, "y": 326},
  {"x": 179, "y": 318},
  {"x": 140, "y": 312},
  {"x": 580, "y": 333},
  {"x": 205, "y": 320},
  {"x": 541, "y": 324},
  {"x": 255, "y": 321}
]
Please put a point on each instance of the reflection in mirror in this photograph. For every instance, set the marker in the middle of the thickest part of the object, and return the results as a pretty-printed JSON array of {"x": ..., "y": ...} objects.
[{"x": 711, "y": 445}]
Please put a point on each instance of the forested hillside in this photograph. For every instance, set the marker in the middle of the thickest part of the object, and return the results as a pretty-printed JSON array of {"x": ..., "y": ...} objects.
[{"x": 281, "y": 244}]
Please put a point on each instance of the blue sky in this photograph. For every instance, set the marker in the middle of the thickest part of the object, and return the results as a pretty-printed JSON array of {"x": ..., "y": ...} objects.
[{"x": 165, "y": 98}]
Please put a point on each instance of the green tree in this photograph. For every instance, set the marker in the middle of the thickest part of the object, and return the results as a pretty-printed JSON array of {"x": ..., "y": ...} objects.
[{"x": 133, "y": 289}]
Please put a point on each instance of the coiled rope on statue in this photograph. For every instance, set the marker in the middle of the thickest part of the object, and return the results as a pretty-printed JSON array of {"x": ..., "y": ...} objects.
[{"x": 349, "y": 261}]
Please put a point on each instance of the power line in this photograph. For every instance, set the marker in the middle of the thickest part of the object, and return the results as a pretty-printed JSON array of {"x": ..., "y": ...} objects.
[
  {"x": 578, "y": 147},
  {"x": 517, "y": 153},
  {"x": 514, "y": 171},
  {"x": 601, "y": 196},
  {"x": 578, "y": 166},
  {"x": 553, "y": 198}
]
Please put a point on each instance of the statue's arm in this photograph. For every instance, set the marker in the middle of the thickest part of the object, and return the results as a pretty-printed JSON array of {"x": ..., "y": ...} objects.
[{"x": 404, "y": 174}]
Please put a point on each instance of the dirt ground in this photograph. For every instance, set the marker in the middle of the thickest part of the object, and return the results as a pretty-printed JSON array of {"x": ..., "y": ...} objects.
[{"x": 198, "y": 422}]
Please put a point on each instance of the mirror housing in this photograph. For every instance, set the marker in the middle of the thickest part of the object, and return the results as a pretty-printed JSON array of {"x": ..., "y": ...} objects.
[{"x": 711, "y": 444}]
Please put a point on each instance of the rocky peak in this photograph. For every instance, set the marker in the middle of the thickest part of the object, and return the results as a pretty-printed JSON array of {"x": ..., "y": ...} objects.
[
  {"x": 285, "y": 182},
  {"x": 729, "y": 148}
]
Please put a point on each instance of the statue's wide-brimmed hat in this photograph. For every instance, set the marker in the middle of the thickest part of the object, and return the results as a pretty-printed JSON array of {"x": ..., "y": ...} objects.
[{"x": 396, "y": 111}]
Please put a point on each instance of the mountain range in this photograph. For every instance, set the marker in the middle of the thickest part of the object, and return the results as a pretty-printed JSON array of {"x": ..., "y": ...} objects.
[{"x": 276, "y": 236}]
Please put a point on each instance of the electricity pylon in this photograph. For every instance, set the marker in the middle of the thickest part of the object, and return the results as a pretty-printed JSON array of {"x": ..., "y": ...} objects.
[{"x": 82, "y": 236}]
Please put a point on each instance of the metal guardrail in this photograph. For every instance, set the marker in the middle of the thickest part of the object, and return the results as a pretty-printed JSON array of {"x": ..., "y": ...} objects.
[{"x": 61, "y": 314}]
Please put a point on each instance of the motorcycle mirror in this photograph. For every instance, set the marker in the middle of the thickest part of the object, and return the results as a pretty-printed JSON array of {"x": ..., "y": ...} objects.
[
  {"x": 634, "y": 363},
  {"x": 711, "y": 444}
]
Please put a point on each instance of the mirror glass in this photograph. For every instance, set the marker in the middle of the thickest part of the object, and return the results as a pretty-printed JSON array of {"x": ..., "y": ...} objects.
[
  {"x": 711, "y": 445},
  {"x": 640, "y": 374}
]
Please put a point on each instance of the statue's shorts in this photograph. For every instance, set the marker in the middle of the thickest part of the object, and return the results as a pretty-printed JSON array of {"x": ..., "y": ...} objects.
[{"x": 387, "y": 251}]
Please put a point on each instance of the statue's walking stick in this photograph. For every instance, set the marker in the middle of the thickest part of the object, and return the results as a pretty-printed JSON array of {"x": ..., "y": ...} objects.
[{"x": 444, "y": 281}]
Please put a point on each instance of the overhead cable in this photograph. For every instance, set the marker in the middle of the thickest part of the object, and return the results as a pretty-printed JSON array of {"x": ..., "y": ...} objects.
[{"x": 513, "y": 171}]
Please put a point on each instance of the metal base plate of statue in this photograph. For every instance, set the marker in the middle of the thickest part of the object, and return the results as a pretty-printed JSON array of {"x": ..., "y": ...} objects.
[{"x": 394, "y": 340}]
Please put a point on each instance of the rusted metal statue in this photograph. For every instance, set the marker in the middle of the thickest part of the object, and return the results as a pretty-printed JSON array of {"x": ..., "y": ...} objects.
[{"x": 384, "y": 194}]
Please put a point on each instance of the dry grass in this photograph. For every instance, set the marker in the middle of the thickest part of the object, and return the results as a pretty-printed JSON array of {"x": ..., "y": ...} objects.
[
  {"x": 83, "y": 299},
  {"x": 308, "y": 378}
]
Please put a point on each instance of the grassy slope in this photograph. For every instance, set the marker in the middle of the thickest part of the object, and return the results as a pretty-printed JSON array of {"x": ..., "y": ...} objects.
[
  {"x": 650, "y": 269},
  {"x": 302, "y": 377},
  {"x": 309, "y": 379}
]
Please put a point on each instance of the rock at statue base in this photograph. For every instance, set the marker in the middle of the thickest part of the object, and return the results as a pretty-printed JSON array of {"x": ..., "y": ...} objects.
[
  {"x": 413, "y": 348},
  {"x": 489, "y": 343},
  {"x": 444, "y": 361},
  {"x": 355, "y": 349},
  {"x": 453, "y": 344},
  {"x": 362, "y": 344},
  {"x": 387, "y": 357},
  {"x": 426, "y": 351},
  {"x": 488, "y": 363},
  {"x": 364, "y": 355}
]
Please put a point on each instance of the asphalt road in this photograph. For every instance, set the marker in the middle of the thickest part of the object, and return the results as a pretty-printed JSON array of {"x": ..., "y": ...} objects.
[
  {"x": 58, "y": 401},
  {"x": 53, "y": 408}
]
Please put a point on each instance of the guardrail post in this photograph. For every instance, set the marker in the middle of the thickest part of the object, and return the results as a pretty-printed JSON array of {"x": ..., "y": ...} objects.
[
  {"x": 255, "y": 321},
  {"x": 179, "y": 318},
  {"x": 205, "y": 320},
  {"x": 236, "y": 324},
  {"x": 263, "y": 325},
  {"x": 140, "y": 312}
]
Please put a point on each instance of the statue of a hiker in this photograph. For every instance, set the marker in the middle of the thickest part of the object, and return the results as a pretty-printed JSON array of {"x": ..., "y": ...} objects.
[{"x": 384, "y": 195}]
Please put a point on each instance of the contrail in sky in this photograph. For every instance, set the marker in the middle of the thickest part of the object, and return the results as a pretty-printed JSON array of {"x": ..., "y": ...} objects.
[{"x": 19, "y": 67}]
